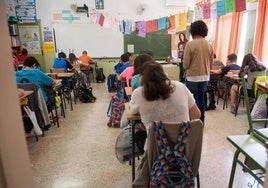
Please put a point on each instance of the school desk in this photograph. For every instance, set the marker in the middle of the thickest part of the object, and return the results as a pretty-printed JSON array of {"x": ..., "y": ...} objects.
[{"x": 132, "y": 118}]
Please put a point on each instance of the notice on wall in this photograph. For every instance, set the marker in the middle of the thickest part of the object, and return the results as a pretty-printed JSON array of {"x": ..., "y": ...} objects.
[
  {"x": 26, "y": 11},
  {"x": 30, "y": 39},
  {"x": 48, "y": 47},
  {"x": 130, "y": 48}
]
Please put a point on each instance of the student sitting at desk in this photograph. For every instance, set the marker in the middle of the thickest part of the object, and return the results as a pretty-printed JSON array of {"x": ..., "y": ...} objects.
[
  {"x": 159, "y": 98},
  {"x": 127, "y": 74},
  {"x": 123, "y": 63},
  {"x": 62, "y": 63},
  {"x": 138, "y": 62},
  {"x": 231, "y": 66},
  {"x": 86, "y": 60},
  {"x": 252, "y": 68},
  {"x": 31, "y": 74},
  {"x": 23, "y": 55}
]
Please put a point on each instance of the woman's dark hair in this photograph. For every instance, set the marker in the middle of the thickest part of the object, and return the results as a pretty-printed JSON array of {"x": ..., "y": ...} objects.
[
  {"x": 199, "y": 28},
  {"x": 139, "y": 60},
  {"x": 72, "y": 58},
  {"x": 31, "y": 61},
  {"x": 185, "y": 39},
  {"x": 62, "y": 55},
  {"x": 252, "y": 62},
  {"x": 155, "y": 82}
]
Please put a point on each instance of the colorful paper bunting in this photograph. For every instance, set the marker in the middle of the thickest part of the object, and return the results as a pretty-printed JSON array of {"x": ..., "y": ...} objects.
[
  {"x": 221, "y": 8},
  {"x": 240, "y": 5}
]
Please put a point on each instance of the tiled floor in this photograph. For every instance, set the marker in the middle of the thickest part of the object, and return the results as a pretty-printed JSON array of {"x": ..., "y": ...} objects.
[{"x": 80, "y": 153}]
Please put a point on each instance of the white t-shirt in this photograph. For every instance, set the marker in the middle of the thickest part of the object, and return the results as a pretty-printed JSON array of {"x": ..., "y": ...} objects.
[{"x": 174, "y": 109}]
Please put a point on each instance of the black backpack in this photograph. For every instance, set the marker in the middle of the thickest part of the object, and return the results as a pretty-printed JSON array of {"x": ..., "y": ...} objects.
[{"x": 85, "y": 95}]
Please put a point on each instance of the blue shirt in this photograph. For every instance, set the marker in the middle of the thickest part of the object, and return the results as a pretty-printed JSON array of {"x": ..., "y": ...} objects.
[
  {"x": 227, "y": 68},
  {"x": 60, "y": 63},
  {"x": 34, "y": 76},
  {"x": 120, "y": 67},
  {"x": 135, "y": 81}
]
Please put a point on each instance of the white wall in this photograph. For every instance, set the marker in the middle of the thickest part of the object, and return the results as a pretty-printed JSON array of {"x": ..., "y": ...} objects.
[{"x": 98, "y": 41}]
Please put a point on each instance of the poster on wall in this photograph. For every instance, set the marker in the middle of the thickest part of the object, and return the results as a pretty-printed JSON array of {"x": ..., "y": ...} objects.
[
  {"x": 48, "y": 36},
  {"x": 26, "y": 11},
  {"x": 30, "y": 39}
]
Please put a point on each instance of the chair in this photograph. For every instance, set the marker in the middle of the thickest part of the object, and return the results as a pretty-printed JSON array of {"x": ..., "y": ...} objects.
[
  {"x": 260, "y": 133},
  {"x": 193, "y": 149},
  {"x": 37, "y": 104},
  {"x": 57, "y": 70},
  {"x": 66, "y": 88}
]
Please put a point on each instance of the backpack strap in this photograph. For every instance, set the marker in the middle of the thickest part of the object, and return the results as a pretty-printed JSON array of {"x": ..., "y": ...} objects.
[
  {"x": 161, "y": 137},
  {"x": 182, "y": 137}
]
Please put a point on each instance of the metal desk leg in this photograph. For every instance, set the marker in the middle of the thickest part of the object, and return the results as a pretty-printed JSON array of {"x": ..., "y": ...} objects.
[
  {"x": 230, "y": 185},
  {"x": 133, "y": 150}
]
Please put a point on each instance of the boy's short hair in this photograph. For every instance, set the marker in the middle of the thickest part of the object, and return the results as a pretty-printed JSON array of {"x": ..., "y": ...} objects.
[{"x": 232, "y": 57}]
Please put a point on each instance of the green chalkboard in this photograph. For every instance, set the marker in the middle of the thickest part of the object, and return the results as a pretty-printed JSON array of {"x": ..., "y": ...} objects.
[{"x": 159, "y": 43}]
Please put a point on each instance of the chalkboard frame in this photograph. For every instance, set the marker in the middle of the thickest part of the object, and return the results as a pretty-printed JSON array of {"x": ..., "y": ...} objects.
[{"x": 159, "y": 43}]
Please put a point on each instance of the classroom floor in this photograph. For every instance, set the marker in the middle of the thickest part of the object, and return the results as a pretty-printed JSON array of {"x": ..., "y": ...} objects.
[{"x": 80, "y": 153}]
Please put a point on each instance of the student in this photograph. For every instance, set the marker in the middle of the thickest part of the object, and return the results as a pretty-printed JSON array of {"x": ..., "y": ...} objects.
[
  {"x": 30, "y": 74},
  {"x": 62, "y": 63},
  {"x": 72, "y": 59},
  {"x": 197, "y": 60},
  {"x": 85, "y": 58},
  {"x": 231, "y": 65},
  {"x": 23, "y": 55},
  {"x": 138, "y": 62},
  {"x": 252, "y": 68},
  {"x": 181, "y": 47},
  {"x": 123, "y": 63},
  {"x": 127, "y": 74},
  {"x": 159, "y": 98}
]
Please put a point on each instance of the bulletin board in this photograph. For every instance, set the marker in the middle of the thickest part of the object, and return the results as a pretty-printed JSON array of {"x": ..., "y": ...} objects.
[
  {"x": 96, "y": 40},
  {"x": 159, "y": 43}
]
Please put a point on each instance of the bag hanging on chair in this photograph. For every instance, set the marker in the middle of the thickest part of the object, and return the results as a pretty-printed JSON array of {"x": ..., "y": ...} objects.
[
  {"x": 31, "y": 115},
  {"x": 259, "y": 110}
]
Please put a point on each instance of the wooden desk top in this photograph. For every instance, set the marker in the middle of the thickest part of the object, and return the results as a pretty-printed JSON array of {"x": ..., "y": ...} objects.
[
  {"x": 128, "y": 91},
  {"x": 129, "y": 115},
  {"x": 60, "y": 75},
  {"x": 65, "y": 75},
  {"x": 26, "y": 94},
  {"x": 262, "y": 86},
  {"x": 24, "y": 99}
]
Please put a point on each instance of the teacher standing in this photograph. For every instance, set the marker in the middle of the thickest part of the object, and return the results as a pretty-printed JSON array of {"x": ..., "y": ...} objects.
[{"x": 197, "y": 60}]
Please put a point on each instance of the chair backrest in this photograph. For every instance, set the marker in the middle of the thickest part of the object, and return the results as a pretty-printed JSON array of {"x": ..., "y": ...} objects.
[
  {"x": 33, "y": 100},
  {"x": 193, "y": 148},
  {"x": 57, "y": 70},
  {"x": 251, "y": 121}
]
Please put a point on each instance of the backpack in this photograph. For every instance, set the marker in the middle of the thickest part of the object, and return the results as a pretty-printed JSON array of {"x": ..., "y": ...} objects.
[
  {"x": 112, "y": 82},
  {"x": 85, "y": 95},
  {"x": 100, "y": 77},
  {"x": 115, "y": 110},
  {"x": 171, "y": 168}
]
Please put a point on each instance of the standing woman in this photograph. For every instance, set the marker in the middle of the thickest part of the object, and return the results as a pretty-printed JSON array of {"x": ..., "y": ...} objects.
[
  {"x": 181, "y": 47},
  {"x": 197, "y": 60}
]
